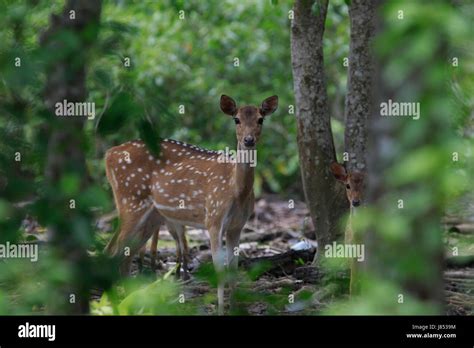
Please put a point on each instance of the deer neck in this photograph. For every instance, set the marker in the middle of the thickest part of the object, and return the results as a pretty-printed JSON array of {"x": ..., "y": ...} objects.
[
  {"x": 244, "y": 176},
  {"x": 349, "y": 234}
]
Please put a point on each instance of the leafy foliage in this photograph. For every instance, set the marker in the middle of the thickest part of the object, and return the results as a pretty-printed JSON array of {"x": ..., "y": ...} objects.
[{"x": 189, "y": 62}]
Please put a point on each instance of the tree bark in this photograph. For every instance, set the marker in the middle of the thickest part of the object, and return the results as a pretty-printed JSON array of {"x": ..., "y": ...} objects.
[
  {"x": 359, "y": 83},
  {"x": 359, "y": 101},
  {"x": 325, "y": 197},
  {"x": 66, "y": 81}
]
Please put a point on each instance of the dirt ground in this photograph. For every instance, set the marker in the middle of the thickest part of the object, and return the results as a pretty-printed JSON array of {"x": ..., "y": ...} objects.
[{"x": 282, "y": 233}]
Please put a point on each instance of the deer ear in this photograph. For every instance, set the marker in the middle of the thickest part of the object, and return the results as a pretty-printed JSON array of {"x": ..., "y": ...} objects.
[
  {"x": 269, "y": 105},
  {"x": 228, "y": 105},
  {"x": 338, "y": 171}
]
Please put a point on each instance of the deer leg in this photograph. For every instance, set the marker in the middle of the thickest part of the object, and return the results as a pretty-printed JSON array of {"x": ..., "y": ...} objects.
[
  {"x": 110, "y": 248},
  {"x": 232, "y": 245},
  {"x": 141, "y": 258},
  {"x": 172, "y": 228},
  {"x": 355, "y": 267},
  {"x": 185, "y": 252},
  {"x": 116, "y": 246},
  {"x": 154, "y": 245},
  {"x": 183, "y": 248},
  {"x": 178, "y": 232},
  {"x": 134, "y": 233},
  {"x": 152, "y": 227},
  {"x": 218, "y": 260}
]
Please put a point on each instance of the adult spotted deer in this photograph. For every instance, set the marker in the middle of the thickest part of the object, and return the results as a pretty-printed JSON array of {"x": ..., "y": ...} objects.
[
  {"x": 188, "y": 186},
  {"x": 354, "y": 183}
]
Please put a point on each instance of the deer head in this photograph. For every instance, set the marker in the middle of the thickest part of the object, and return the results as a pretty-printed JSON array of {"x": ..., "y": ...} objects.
[
  {"x": 353, "y": 181},
  {"x": 248, "y": 119}
]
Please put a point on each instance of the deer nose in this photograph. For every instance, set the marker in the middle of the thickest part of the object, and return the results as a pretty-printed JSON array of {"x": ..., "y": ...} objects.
[
  {"x": 355, "y": 202},
  {"x": 249, "y": 140}
]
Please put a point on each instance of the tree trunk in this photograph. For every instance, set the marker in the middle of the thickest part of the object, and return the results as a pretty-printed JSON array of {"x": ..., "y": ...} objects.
[
  {"x": 359, "y": 101},
  {"x": 324, "y": 196},
  {"x": 359, "y": 83},
  {"x": 66, "y": 81}
]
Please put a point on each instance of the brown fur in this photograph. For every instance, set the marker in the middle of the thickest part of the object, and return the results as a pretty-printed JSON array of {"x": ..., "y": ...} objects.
[{"x": 186, "y": 185}]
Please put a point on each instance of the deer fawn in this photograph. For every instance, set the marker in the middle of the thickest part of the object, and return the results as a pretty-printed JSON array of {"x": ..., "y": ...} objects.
[
  {"x": 187, "y": 185},
  {"x": 354, "y": 183}
]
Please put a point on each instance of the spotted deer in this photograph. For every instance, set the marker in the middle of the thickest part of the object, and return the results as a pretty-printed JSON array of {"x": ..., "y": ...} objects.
[
  {"x": 188, "y": 186},
  {"x": 354, "y": 183}
]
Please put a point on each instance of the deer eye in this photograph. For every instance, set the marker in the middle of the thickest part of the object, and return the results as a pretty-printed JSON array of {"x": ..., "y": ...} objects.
[
  {"x": 348, "y": 186},
  {"x": 236, "y": 120},
  {"x": 260, "y": 120}
]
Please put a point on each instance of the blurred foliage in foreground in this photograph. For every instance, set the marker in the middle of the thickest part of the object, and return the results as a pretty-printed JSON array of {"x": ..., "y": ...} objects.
[{"x": 191, "y": 62}]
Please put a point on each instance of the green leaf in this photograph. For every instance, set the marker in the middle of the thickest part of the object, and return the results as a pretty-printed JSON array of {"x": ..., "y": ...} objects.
[
  {"x": 150, "y": 136},
  {"x": 315, "y": 8},
  {"x": 70, "y": 184},
  {"x": 115, "y": 117},
  {"x": 31, "y": 238},
  {"x": 259, "y": 269}
]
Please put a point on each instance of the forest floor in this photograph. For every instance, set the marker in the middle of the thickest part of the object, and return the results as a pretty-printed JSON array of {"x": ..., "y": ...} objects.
[
  {"x": 276, "y": 249},
  {"x": 281, "y": 235}
]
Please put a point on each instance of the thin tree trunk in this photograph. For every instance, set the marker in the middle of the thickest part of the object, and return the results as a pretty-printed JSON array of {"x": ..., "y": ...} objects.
[
  {"x": 359, "y": 101},
  {"x": 66, "y": 81},
  {"x": 324, "y": 196},
  {"x": 359, "y": 83}
]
